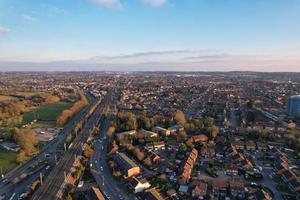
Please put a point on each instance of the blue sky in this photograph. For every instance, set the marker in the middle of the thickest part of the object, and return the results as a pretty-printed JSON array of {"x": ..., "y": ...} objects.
[{"x": 200, "y": 35}]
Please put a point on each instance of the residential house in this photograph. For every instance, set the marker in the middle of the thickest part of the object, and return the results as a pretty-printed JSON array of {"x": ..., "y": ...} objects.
[
  {"x": 199, "y": 138},
  {"x": 250, "y": 146},
  {"x": 176, "y": 129},
  {"x": 146, "y": 134},
  {"x": 232, "y": 150},
  {"x": 162, "y": 131},
  {"x": 261, "y": 146},
  {"x": 237, "y": 189},
  {"x": 246, "y": 164},
  {"x": 239, "y": 145},
  {"x": 219, "y": 187},
  {"x": 128, "y": 167},
  {"x": 183, "y": 189},
  {"x": 188, "y": 167},
  {"x": 159, "y": 145},
  {"x": 200, "y": 190},
  {"x": 139, "y": 185},
  {"x": 152, "y": 194},
  {"x": 232, "y": 170},
  {"x": 208, "y": 152}
]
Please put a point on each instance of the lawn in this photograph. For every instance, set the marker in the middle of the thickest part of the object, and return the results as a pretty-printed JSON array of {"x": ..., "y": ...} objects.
[
  {"x": 7, "y": 160},
  {"x": 46, "y": 115}
]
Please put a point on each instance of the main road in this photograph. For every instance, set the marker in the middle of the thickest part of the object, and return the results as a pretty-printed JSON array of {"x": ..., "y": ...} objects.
[
  {"x": 111, "y": 188},
  {"x": 53, "y": 185}
]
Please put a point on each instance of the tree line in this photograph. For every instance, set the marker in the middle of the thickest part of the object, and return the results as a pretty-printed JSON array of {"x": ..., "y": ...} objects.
[{"x": 69, "y": 113}]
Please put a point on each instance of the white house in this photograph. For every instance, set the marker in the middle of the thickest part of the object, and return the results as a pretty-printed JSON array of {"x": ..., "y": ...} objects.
[{"x": 139, "y": 185}]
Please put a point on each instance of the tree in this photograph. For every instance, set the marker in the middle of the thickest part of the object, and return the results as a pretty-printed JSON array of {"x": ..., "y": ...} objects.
[
  {"x": 68, "y": 113},
  {"x": 190, "y": 127},
  {"x": 179, "y": 117},
  {"x": 88, "y": 151},
  {"x": 110, "y": 132},
  {"x": 50, "y": 98},
  {"x": 181, "y": 136},
  {"x": 208, "y": 121},
  {"x": 144, "y": 122},
  {"x": 126, "y": 121},
  {"x": 137, "y": 152},
  {"x": 213, "y": 131},
  {"x": 182, "y": 147},
  {"x": 27, "y": 141},
  {"x": 21, "y": 157}
]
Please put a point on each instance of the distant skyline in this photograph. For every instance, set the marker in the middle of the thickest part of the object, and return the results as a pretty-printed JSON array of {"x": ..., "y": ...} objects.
[{"x": 150, "y": 35}]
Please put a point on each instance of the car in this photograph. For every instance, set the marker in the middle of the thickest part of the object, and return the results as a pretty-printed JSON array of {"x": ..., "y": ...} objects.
[
  {"x": 12, "y": 196},
  {"x": 101, "y": 168},
  {"x": 2, "y": 197},
  {"x": 80, "y": 184},
  {"x": 121, "y": 197},
  {"x": 5, "y": 180},
  {"x": 22, "y": 196},
  {"x": 106, "y": 195},
  {"x": 253, "y": 184}
]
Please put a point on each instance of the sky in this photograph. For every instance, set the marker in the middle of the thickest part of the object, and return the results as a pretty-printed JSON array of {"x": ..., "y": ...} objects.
[{"x": 150, "y": 35}]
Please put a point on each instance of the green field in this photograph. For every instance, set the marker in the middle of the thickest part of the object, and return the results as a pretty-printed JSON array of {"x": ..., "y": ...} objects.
[
  {"x": 7, "y": 160},
  {"x": 46, "y": 115}
]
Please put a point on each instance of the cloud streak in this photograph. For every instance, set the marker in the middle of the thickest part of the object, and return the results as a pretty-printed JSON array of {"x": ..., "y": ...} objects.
[
  {"x": 119, "y": 4},
  {"x": 177, "y": 60},
  {"x": 4, "y": 30},
  {"x": 108, "y": 3},
  {"x": 155, "y": 3},
  {"x": 29, "y": 18}
]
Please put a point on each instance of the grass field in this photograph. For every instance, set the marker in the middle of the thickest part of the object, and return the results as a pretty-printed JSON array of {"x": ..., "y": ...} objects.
[
  {"x": 7, "y": 160},
  {"x": 46, "y": 115}
]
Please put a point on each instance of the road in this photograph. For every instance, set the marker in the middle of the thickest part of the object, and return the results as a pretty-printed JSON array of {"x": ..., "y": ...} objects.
[
  {"x": 267, "y": 180},
  {"x": 53, "y": 185},
  {"x": 100, "y": 169},
  {"x": 234, "y": 122},
  {"x": 8, "y": 188}
]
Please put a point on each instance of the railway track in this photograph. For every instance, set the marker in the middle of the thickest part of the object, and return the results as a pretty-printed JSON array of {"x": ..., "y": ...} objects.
[{"x": 56, "y": 178}]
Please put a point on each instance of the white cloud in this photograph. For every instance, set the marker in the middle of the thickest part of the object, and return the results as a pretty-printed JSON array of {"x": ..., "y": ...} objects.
[
  {"x": 29, "y": 18},
  {"x": 108, "y": 3},
  {"x": 172, "y": 60},
  {"x": 155, "y": 3},
  {"x": 4, "y": 30}
]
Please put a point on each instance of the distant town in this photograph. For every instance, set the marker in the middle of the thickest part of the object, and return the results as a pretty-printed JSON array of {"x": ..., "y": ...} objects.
[{"x": 149, "y": 135}]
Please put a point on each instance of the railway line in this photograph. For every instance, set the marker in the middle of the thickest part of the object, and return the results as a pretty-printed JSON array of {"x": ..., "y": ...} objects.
[{"x": 51, "y": 188}]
